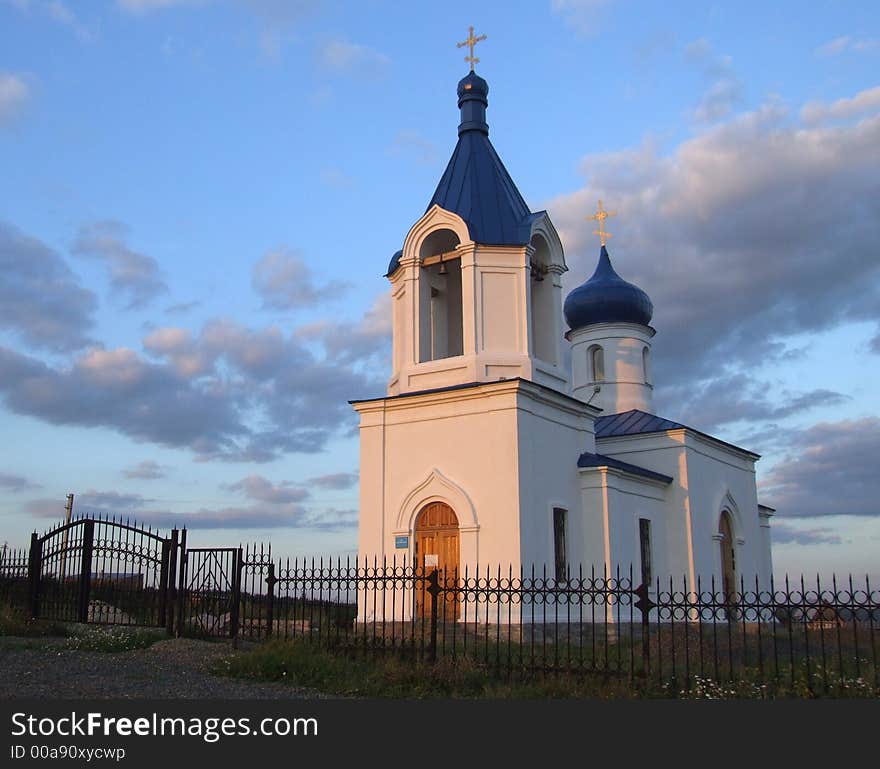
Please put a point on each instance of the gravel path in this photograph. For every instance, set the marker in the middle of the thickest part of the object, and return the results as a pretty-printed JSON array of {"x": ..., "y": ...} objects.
[{"x": 171, "y": 669}]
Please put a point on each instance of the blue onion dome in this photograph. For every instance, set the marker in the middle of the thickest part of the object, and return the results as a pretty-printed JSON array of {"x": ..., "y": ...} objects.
[{"x": 607, "y": 298}]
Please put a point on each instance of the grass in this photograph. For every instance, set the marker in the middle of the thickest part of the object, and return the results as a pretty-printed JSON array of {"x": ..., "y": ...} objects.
[
  {"x": 16, "y": 622},
  {"x": 19, "y": 630},
  {"x": 335, "y": 672},
  {"x": 300, "y": 663},
  {"x": 112, "y": 638}
]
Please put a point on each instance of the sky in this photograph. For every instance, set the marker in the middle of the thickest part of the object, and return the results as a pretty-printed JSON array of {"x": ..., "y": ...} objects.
[{"x": 198, "y": 201}]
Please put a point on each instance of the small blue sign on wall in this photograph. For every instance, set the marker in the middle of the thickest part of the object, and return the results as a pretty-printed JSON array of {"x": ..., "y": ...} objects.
[{"x": 401, "y": 542}]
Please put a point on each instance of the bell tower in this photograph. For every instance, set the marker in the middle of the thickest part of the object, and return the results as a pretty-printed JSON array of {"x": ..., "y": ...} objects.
[
  {"x": 476, "y": 288},
  {"x": 470, "y": 457}
]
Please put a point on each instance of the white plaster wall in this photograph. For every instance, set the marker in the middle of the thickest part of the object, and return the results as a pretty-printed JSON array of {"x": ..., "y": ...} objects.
[
  {"x": 624, "y": 386},
  {"x": 552, "y": 435},
  {"x": 501, "y": 454},
  {"x": 613, "y": 501},
  {"x": 707, "y": 477},
  {"x": 630, "y": 499},
  {"x": 723, "y": 481}
]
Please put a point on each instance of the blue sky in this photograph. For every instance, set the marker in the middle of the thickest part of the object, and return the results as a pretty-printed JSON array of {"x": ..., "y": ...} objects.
[{"x": 198, "y": 201}]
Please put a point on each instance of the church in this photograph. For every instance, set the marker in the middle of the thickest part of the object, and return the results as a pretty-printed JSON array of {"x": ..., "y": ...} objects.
[{"x": 490, "y": 450}]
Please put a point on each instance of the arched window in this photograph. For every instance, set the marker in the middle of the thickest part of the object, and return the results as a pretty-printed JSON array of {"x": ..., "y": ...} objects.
[
  {"x": 597, "y": 363},
  {"x": 646, "y": 362},
  {"x": 440, "y": 318}
]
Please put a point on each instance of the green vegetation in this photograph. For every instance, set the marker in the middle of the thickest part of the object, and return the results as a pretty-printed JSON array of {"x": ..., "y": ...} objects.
[
  {"x": 348, "y": 673},
  {"x": 334, "y": 672},
  {"x": 18, "y": 629},
  {"x": 14, "y": 621},
  {"x": 112, "y": 638}
]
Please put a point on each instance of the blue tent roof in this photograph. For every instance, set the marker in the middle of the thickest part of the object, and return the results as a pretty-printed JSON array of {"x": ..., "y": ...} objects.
[
  {"x": 475, "y": 184},
  {"x": 477, "y": 187}
]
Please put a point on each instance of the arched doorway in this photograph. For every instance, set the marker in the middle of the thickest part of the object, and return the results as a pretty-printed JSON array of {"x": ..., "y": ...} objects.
[
  {"x": 436, "y": 549},
  {"x": 728, "y": 561}
]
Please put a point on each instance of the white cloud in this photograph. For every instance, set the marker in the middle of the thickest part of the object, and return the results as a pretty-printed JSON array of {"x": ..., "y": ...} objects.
[
  {"x": 724, "y": 89},
  {"x": 336, "y": 178},
  {"x": 342, "y": 57},
  {"x": 366, "y": 342},
  {"x": 846, "y": 43},
  {"x": 284, "y": 281},
  {"x": 335, "y": 481},
  {"x": 148, "y": 470},
  {"x": 831, "y": 470},
  {"x": 412, "y": 142},
  {"x": 41, "y": 300},
  {"x": 261, "y": 489},
  {"x": 179, "y": 347},
  {"x": 14, "y": 95},
  {"x": 131, "y": 273},
  {"x": 583, "y": 15},
  {"x": 229, "y": 393},
  {"x": 751, "y": 231},
  {"x": 862, "y": 103},
  {"x": 17, "y": 483},
  {"x": 147, "y": 6},
  {"x": 59, "y": 12},
  {"x": 62, "y": 14}
]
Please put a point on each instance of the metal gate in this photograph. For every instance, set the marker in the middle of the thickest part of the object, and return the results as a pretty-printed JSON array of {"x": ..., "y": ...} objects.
[
  {"x": 210, "y": 592},
  {"x": 102, "y": 571}
]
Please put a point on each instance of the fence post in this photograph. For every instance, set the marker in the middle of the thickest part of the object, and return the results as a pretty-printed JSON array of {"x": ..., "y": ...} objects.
[
  {"x": 168, "y": 582},
  {"x": 236, "y": 593},
  {"x": 434, "y": 591},
  {"x": 644, "y": 605},
  {"x": 35, "y": 563},
  {"x": 270, "y": 599},
  {"x": 163, "y": 581},
  {"x": 85, "y": 574},
  {"x": 181, "y": 584}
]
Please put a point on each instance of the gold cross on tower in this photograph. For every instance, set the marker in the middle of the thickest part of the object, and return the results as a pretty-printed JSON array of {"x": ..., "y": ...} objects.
[
  {"x": 470, "y": 43},
  {"x": 600, "y": 216}
]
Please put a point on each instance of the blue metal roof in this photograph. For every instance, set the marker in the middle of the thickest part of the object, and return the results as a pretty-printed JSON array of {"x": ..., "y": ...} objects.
[
  {"x": 475, "y": 184},
  {"x": 600, "y": 460},
  {"x": 607, "y": 298},
  {"x": 636, "y": 422},
  {"x": 633, "y": 422}
]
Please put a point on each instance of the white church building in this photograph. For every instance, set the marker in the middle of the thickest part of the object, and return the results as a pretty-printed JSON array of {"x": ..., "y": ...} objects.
[{"x": 490, "y": 450}]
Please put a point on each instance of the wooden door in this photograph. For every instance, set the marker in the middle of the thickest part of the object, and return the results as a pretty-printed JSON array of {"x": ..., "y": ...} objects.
[{"x": 437, "y": 550}]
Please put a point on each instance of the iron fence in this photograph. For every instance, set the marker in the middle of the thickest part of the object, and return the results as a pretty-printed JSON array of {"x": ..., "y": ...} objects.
[
  {"x": 794, "y": 637},
  {"x": 799, "y": 637},
  {"x": 13, "y": 575}
]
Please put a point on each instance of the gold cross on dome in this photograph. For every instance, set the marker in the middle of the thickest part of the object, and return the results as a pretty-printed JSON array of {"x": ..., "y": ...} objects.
[
  {"x": 600, "y": 216},
  {"x": 470, "y": 43}
]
